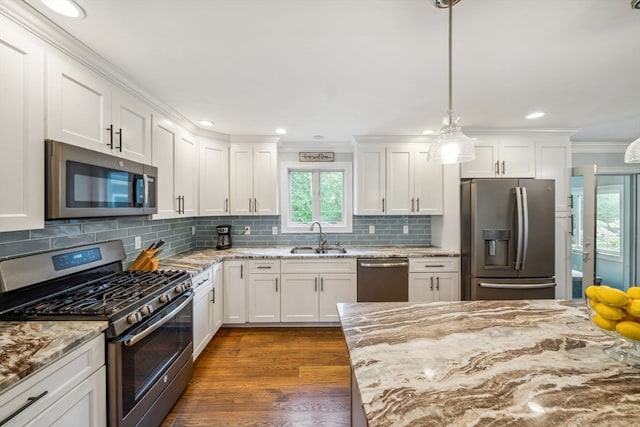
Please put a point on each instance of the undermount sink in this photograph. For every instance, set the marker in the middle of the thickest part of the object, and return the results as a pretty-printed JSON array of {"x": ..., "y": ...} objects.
[{"x": 310, "y": 250}]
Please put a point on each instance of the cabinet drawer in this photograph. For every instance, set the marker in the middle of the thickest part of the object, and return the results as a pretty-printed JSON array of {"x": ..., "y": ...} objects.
[
  {"x": 53, "y": 381},
  {"x": 264, "y": 266},
  {"x": 433, "y": 264},
  {"x": 202, "y": 278},
  {"x": 325, "y": 265}
]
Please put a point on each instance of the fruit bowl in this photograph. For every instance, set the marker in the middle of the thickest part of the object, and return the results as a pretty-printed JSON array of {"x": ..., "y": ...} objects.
[{"x": 617, "y": 314}]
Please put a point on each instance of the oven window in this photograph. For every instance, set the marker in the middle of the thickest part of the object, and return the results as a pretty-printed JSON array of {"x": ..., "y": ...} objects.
[
  {"x": 146, "y": 361},
  {"x": 99, "y": 187}
]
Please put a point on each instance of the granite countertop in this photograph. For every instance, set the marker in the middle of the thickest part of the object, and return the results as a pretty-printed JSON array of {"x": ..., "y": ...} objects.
[
  {"x": 26, "y": 346},
  {"x": 197, "y": 260},
  {"x": 524, "y": 363}
]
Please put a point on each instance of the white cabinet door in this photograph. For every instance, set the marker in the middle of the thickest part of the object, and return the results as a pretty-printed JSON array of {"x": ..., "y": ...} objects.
[
  {"x": 371, "y": 176},
  {"x": 21, "y": 130},
  {"x": 517, "y": 159},
  {"x": 202, "y": 312},
  {"x": 217, "y": 297},
  {"x": 432, "y": 287},
  {"x": 400, "y": 198},
  {"x": 553, "y": 161},
  {"x": 253, "y": 179},
  {"x": 164, "y": 143},
  {"x": 185, "y": 174},
  {"x": 214, "y": 178},
  {"x": 241, "y": 179},
  {"x": 78, "y": 105},
  {"x": 420, "y": 287},
  {"x": 428, "y": 182},
  {"x": 82, "y": 406},
  {"x": 265, "y": 179},
  {"x": 486, "y": 163},
  {"x": 131, "y": 119},
  {"x": 234, "y": 293},
  {"x": 299, "y": 298},
  {"x": 264, "y": 298},
  {"x": 335, "y": 288},
  {"x": 447, "y": 287}
]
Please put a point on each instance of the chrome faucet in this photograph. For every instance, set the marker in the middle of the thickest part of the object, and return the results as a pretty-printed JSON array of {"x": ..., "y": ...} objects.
[{"x": 321, "y": 241}]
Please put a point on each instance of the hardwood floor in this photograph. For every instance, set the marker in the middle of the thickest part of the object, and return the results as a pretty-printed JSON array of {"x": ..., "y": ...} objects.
[{"x": 268, "y": 377}]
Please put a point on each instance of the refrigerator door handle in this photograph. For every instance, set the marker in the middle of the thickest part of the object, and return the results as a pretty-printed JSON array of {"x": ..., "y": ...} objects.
[
  {"x": 525, "y": 286},
  {"x": 525, "y": 219},
  {"x": 520, "y": 225}
]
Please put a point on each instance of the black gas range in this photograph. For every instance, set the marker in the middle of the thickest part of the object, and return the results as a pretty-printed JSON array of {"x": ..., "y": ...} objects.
[{"x": 149, "y": 313}]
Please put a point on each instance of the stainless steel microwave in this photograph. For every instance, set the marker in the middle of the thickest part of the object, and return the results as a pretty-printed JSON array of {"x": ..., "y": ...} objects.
[{"x": 81, "y": 183}]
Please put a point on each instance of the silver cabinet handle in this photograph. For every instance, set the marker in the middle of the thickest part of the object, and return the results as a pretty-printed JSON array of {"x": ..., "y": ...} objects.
[
  {"x": 30, "y": 401},
  {"x": 503, "y": 167},
  {"x": 431, "y": 287},
  {"x": 249, "y": 204},
  {"x": 241, "y": 270},
  {"x": 213, "y": 295},
  {"x": 316, "y": 284},
  {"x": 276, "y": 284},
  {"x": 110, "y": 129},
  {"x": 226, "y": 205},
  {"x": 264, "y": 267},
  {"x": 437, "y": 283},
  {"x": 434, "y": 265},
  {"x": 412, "y": 209},
  {"x": 322, "y": 284},
  {"x": 255, "y": 205},
  {"x": 383, "y": 204},
  {"x": 418, "y": 204},
  {"x": 497, "y": 168}
]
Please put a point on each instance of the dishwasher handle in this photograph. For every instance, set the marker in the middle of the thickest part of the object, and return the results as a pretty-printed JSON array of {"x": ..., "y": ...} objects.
[{"x": 391, "y": 264}]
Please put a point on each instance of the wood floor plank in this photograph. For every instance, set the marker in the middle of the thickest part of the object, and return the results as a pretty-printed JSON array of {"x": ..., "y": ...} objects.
[{"x": 268, "y": 377}]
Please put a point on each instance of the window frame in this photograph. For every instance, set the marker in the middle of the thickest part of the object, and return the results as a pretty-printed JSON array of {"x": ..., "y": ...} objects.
[
  {"x": 619, "y": 190},
  {"x": 345, "y": 167}
]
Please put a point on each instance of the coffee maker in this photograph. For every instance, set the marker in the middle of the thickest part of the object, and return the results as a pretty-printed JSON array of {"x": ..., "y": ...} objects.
[{"x": 224, "y": 237}]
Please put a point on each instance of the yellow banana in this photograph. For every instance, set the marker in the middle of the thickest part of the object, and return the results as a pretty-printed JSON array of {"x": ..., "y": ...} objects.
[
  {"x": 593, "y": 302},
  {"x": 602, "y": 323},
  {"x": 592, "y": 292},
  {"x": 612, "y": 296},
  {"x": 633, "y": 308},
  {"x": 634, "y": 292}
]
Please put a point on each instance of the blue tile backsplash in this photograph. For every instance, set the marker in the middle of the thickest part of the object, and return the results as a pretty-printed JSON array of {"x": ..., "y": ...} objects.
[{"x": 177, "y": 233}]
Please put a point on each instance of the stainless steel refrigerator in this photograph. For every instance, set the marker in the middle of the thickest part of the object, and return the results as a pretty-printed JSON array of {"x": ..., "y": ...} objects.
[{"x": 508, "y": 238}]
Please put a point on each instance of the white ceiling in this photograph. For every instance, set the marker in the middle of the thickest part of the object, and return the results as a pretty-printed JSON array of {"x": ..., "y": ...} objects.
[{"x": 339, "y": 68}]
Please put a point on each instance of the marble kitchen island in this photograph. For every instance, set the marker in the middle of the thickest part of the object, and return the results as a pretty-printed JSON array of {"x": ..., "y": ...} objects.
[{"x": 480, "y": 363}]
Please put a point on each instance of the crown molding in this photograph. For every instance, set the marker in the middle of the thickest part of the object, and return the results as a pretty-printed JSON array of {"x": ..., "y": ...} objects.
[
  {"x": 392, "y": 139},
  {"x": 598, "y": 147},
  {"x": 335, "y": 146},
  {"x": 253, "y": 139},
  {"x": 519, "y": 131},
  {"x": 40, "y": 26}
]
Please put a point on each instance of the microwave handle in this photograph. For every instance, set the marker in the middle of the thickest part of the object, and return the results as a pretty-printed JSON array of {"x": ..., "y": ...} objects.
[{"x": 145, "y": 180}]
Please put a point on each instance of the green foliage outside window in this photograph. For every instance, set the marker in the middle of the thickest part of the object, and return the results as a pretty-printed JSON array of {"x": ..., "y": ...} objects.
[{"x": 330, "y": 203}]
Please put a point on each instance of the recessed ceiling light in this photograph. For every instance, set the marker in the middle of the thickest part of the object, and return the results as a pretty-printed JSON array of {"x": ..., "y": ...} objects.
[
  {"x": 281, "y": 131},
  {"x": 206, "y": 123},
  {"x": 428, "y": 132},
  {"x": 68, "y": 8},
  {"x": 535, "y": 115},
  {"x": 318, "y": 137}
]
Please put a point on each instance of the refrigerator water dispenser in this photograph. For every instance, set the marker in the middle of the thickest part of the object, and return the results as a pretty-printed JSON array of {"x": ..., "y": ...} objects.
[{"x": 496, "y": 248}]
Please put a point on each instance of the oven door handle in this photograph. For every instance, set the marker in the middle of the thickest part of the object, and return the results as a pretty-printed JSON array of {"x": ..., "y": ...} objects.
[{"x": 133, "y": 339}]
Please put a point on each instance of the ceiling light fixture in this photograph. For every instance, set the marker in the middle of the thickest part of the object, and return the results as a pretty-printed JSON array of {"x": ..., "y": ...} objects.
[
  {"x": 68, "y": 8},
  {"x": 281, "y": 131},
  {"x": 632, "y": 154},
  {"x": 535, "y": 115},
  {"x": 451, "y": 146},
  {"x": 206, "y": 123}
]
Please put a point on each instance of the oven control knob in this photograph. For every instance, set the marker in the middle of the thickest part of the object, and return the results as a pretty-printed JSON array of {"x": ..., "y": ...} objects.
[
  {"x": 165, "y": 298},
  {"x": 179, "y": 289},
  {"x": 134, "y": 318},
  {"x": 146, "y": 310}
]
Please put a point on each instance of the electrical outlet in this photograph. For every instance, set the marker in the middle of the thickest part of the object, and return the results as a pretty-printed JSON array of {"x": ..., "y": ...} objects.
[
  {"x": 137, "y": 242},
  {"x": 274, "y": 230},
  {"x": 247, "y": 230},
  {"x": 372, "y": 229},
  {"x": 405, "y": 229},
  {"x": 193, "y": 230}
]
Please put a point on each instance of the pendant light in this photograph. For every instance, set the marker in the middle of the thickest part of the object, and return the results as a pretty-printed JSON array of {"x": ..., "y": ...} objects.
[
  {"x": 451, "y": 146},
  {"x": 632, "y": 155}
]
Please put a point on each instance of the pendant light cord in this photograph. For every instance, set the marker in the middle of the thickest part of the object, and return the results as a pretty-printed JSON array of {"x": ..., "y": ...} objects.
[{"x": 450, "y": 63}]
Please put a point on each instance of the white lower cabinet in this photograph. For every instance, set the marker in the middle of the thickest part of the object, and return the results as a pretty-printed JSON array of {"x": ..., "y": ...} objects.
[
  {"x": 203, "y": 321},
  {"x": 264, "y": 291},
  {"x": 70, "y": 391},
  {"x": 217, "y": 296},
  {"x": 311, "y": 289},
  {"x": 234, "y": 293},
  {"x": 434, "y": 279}
]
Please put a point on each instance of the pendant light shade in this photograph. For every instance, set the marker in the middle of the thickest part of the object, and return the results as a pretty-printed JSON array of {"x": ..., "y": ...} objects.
[
  {"x": 451, "y": 146},
  {"x": 632, "y": 155}
]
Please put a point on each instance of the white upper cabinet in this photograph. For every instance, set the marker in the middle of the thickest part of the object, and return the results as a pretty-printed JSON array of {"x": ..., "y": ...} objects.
[
  {"x": 253, "y": 179},
  {"x": 501, "y": 156},
  {"x": 553, "y": 161},
  {"x": 174, "y": 154},
  {"x": 85, "y": 109},
  {"x": 397, "y": 179},
  {"x": 214, "y": 177},
  {"x": 21, "y": 129}
]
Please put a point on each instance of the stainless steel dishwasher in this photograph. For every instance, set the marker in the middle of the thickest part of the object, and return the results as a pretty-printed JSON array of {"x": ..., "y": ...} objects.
[{"x": 383, "y": 280}]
